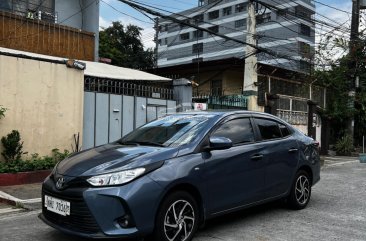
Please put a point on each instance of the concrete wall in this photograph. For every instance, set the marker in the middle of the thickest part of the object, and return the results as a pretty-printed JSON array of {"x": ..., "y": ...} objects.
[{"x": 44, "y": 101}]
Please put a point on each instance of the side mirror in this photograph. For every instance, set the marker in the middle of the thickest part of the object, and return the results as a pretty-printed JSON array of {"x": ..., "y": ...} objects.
[{"x": 220, "y": 143}]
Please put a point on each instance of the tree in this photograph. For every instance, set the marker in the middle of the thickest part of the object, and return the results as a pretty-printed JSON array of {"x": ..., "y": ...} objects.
[
  {"x": 123, "y": 45},
  {"x": 337, "y": 66}
]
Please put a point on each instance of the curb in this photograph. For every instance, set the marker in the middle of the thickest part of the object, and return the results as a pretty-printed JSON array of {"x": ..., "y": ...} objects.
[{"x": 16, "y": 202}]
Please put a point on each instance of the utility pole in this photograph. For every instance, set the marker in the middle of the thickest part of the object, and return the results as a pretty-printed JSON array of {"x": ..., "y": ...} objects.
[
  {"x": 250, "y": 88},
  {"x": 156, "y": 39},
  {"x": 353, "y": 46}
]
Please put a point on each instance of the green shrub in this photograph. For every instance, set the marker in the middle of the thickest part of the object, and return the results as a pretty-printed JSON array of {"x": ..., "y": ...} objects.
[
  {"x": 2, "y": 112},
  {"x": 344, "y": 146},
  {"x": 34, "y": 163},
  {"x": 12, "y": 146}
]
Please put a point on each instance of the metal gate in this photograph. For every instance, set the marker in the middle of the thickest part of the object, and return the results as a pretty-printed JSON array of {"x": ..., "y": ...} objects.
[{"x": 109, "y": 116}]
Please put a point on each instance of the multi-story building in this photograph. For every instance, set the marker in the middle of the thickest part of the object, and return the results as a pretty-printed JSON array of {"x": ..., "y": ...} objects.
[
  {"x": 64, "y": 28},
  {"x": 284, "y": 87},
  {"x": 288, "y": 29}
]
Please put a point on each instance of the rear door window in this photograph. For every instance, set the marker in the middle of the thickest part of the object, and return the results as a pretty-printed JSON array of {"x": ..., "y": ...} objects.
[
  {"x": 239, "y": 131},
  {"x": 284, "y": 130},
  {"x": 268, "y": 129}
]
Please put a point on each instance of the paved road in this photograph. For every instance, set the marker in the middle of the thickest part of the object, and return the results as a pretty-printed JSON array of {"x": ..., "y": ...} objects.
[{"x": 337, "y": 211}]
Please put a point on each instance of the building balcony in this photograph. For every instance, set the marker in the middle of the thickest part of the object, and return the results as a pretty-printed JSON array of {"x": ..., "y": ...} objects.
[{"x": 38, "y": 33}]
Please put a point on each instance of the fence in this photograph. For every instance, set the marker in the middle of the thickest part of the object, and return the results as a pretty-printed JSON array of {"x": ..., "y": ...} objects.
[
  {"x": 45, "y": 37},
  {"x": 223, "y": 102},
  {"x": 119, "y": 87}
]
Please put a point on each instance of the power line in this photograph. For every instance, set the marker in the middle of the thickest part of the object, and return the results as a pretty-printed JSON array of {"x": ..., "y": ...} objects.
[
  {"x": 329, "y": 6},
  {"x": 115, "y": 9},
  {"x": 313, "y": 21},
  {"x": 133, "y": 4}
]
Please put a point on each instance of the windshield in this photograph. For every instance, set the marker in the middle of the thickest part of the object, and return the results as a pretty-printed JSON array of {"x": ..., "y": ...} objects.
[{"x": 175, "y": 130}]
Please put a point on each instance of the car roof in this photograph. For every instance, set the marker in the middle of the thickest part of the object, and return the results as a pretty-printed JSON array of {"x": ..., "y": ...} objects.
[{"x": 224, "y": 113}]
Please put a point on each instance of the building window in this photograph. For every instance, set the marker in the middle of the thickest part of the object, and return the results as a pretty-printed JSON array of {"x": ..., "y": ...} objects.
[
  {"x": 197, "y": 48},
  {"x": 264, "y": 18},
  {"x": 214, "y": 29},
  {"x": 305, "y": 49},
  {"x": 305, "y": 30},
  {"x": 216, "y": 87},
  {"x": 241, "y": 7},
  {"x": 213, "y": 14},
  {"x": 240, "y": 23},
  {"x": 198, "y": 34},
  {"x": 184, "y": 36},
  {"x": 198, "y": 18},
  {"x": 303, "y": 13},
  {"x": 305, "y": 66},
  {"x": 182, "y": 25},
  {"x": 282, "y": 12},
  {"x": 227, "y": 11}
]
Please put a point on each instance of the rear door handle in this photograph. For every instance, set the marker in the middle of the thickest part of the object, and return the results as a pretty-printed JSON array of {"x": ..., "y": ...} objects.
[
  {"x": 256, "y": 157},
  {"x": 292, "y": 150}
]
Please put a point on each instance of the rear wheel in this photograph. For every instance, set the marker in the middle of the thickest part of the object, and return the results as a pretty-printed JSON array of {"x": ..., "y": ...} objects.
[
  {"x": 177, "y": 219},
  {"x": 300, "y": 191}
]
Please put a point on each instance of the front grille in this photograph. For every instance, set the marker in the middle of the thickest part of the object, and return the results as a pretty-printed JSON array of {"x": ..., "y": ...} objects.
[{"x": 80, "y": 218}]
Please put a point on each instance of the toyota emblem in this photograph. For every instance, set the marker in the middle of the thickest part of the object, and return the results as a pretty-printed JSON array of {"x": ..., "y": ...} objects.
[{"x": 60, "y": 183}]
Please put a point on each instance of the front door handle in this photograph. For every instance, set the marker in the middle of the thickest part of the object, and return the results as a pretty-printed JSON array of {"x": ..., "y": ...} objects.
[
  {"x": 292, "y": 150},
  {"x": 256, "y": 157}
]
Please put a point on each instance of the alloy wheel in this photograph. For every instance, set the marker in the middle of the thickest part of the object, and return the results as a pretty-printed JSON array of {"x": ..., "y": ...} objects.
[
  {"x": 179, "y": 221},
  {"x": 302, "y": 189}
]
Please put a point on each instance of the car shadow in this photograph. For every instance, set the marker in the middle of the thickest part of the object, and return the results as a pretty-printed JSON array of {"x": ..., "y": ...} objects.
[
  {"x": 212, "y": 224},
  {"x": 243, "y": 215}
]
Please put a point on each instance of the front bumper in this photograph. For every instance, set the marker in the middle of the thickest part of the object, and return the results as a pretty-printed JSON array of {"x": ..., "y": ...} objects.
[{"x": 95, "y": 211}]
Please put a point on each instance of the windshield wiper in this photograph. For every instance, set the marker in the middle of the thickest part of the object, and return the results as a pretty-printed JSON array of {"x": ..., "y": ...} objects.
[
  {"x": 137, "y": 143},
  {"x": 129, "y": 143},
  {"x": 150, "y": 143}
]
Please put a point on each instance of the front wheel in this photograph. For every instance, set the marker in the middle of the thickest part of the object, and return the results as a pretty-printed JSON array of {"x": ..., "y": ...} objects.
[
  {"x": 177, "y": 219},
  {"x": 300, "y": 192}
]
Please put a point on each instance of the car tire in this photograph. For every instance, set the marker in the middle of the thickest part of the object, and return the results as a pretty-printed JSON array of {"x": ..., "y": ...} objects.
[
  {"x": 300, "y": 191},
  {"x": 177, "y": 218}
]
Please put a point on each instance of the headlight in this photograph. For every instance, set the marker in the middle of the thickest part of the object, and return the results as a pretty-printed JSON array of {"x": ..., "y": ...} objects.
[{"x": 116, "y": 178}]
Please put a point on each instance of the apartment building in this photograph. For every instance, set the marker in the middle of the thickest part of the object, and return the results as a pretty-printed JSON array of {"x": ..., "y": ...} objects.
[{"x": 286, "y": 29}]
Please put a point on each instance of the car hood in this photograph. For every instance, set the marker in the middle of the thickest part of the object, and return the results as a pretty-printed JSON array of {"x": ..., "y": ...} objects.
[{"x": 112, "y": 157}]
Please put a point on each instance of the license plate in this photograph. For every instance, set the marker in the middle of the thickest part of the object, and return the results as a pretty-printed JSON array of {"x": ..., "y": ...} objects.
[{"x": 57, "y": 205}]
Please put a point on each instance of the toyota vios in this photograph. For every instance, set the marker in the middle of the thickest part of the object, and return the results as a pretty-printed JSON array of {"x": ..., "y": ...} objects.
[{"x": 166, "y": 178}]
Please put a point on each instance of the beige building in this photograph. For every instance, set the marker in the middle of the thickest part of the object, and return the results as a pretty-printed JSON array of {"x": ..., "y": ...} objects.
[{"x": 44, "y": 99}]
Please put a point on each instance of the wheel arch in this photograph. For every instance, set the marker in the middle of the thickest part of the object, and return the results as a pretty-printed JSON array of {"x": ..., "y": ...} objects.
[
  {"x": 308, "y": 170},
  {"x": 192, "y": 190}
]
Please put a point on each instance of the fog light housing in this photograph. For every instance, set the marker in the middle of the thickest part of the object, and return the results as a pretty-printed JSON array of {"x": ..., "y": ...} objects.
[{"x": 126, "y": 221}]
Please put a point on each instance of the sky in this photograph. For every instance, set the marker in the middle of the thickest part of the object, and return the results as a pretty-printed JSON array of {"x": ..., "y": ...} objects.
[{"x": 113, "y": 10}]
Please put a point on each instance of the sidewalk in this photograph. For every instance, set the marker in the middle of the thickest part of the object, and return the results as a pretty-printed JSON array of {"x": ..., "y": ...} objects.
[
  {"x": 338, "y": 160},
  {"x": 26, "y": 196}
]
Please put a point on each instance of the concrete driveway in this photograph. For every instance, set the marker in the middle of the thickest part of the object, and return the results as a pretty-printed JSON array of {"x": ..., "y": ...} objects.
[{"x": 337, "y": 211}]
